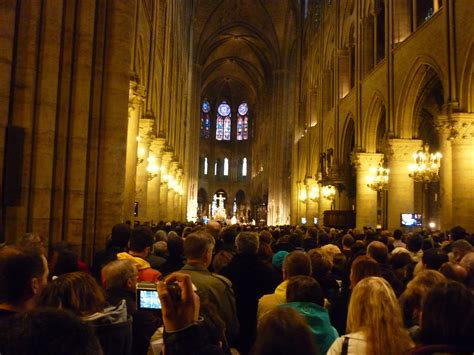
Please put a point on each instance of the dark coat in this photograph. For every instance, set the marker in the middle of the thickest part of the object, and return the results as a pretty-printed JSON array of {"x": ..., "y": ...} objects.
[{"x": 251, "y": 279}]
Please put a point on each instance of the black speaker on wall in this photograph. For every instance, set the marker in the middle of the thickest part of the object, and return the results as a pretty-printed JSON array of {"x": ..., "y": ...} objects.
[{"x": 13, "y": 167}]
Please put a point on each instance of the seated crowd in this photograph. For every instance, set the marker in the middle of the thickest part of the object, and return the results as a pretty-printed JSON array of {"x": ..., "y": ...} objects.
[{"x": 242, "y": 290}]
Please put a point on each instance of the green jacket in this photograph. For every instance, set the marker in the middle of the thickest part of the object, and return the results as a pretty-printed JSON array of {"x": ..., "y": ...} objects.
[
  {"x": 318, "y": 320},
  {"x": 217, "y": 290}
]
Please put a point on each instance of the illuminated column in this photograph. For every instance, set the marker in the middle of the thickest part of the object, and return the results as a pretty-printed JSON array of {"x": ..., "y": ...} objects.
[
  {"x": 165, "y": 175},
  {"x": 313, "y": 198},
  {"x": 366, "y": 198},
  {"x": 153, "y": 189},
  {"x": 463, "y": 170},
  {"x": 135, "y": 101},
  {"x": 146, "y": 127},
  {"x": 324, "y": 205},
  {"x": 179, "y": 195},
  {"x": 400, "y": 185},
  {"x": 171, "y": 209},
  {"x": 445, "y": 173}
]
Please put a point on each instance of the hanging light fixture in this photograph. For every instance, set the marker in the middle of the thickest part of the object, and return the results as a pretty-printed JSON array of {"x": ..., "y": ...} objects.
[
  {"x": 378, "y": 180},
  {"x": 329, "y": 192},
  {"x": 426, "y": 166}
]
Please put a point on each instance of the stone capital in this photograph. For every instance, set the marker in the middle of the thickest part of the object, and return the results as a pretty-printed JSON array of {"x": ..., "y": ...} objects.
[
  {"x": 365, "y": 161},
  {"x": 157, "y": 145},
  {"x": 136, "y": 93},
  {"x": 459, "y": 127},
  {"x": 146, "y": 129},
  {"x": 403, "y": 149}
]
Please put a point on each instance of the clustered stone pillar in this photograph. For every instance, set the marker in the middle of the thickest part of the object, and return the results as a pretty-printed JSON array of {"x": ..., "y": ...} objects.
[
  {"x": 446, "y": 173},
  {"x": 366, "y": 198},
  {"x": 400, "y": 185},
  {"x": 165, "y": 173},
  {"x": 135, "y": 102},
  {"x": 153, "y": 189},
  {"x": 324, "y": 205},
  {"x": 146, "y": 136},
  {"x": 463, "y": 170}
]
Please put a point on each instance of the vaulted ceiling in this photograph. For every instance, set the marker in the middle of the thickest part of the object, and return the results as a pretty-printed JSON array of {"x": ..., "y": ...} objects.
[{"x": 238, "y": 43}]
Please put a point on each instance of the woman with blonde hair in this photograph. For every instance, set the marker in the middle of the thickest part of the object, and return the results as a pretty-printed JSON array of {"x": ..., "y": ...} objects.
[{"x": 374, "y": 322}]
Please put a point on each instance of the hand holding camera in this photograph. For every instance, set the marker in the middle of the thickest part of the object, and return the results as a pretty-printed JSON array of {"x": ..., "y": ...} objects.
[{"x": 180, "y": 309}]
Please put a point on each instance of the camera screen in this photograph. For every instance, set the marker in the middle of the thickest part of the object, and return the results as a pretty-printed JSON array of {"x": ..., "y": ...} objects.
[{"x": 148, "y": 299}]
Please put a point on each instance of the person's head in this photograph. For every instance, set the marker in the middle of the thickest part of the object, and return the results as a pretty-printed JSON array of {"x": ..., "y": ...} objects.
[
  {"x": 321, "y": 263},
  {"x": 283, "y": 331},
  {"x": 312, "y": 232},
  {"x": 413, "y": 298},
  {"x": 49, "y": 332},
  {"x": 448, "y": 315},
  {"x": 161, "y": 236},
  {"x": 378, "y": 251},
  {"x": 120, "y": 274},
  {"x": 433, "y": 258},
  {"x": 175, "y": 246},
  {"x": 459, "y": 248},
  {"x": 23, "y": 275},
  {"x": 32, "y": 241},
  {"x": 397, "y": 234},
  {"x": 415, "y": 242},
  {"x": 304, "y": 289},
  {"x": 198, "y": 248},
  {"x": 141, "y": 241},
  {"x": 454, "y": 271},
  {"x": 120, "y": 235},
  {"x": 363, "y": 266},
  {"x": 296, "y": 263},
  {"x": 330, "y": 250},
  {"x": 76, "y": 291},
  {"x": 457, "y": 233},
  {"x": 63, "y": 259},
  {"x": 265, "y": 237},
  {"x": 221, "y": 260},
  {"x": 213, "y": 228},
  {"x": 374, "y": 310},
  {"x": 468, "y": 262},
  {"x": 247, "y": 243},
  {"x": 347, "y": 241}
]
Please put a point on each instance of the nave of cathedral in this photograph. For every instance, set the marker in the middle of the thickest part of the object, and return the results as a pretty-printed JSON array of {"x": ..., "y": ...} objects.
[{"x": 267, "y": 112}]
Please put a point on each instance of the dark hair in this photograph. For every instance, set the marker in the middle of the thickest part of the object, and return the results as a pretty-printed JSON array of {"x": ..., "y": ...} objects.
[
  {"x": 75, "y": 291},
  {"x": 434, "y": 258},
  {"x": 49, "y": 332},
  {"x": 362, "y": 267},
  {"x": 283, "y": 331},
  {"x": 457, "y": 232},
  {"x": 378, "y": 251},
  {"x": 197, "y": 244},
  {"x": 321, "y": 264},
  {"x": 141, "y": 238},
  {"x": 120, "y": 235},
  {"x": 347, "y": 240},
  {"x": 415, "y": 242},
  {"x": 304, "y": 289},
  {"x": 297, "y": 263},
  {"x": 397, "y": 234},
  {"x": 448, "y": 315},
  {"x": 17, "y": 268}
]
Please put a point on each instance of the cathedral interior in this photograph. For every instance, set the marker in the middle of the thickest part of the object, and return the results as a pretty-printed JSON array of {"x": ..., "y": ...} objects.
[{"x": 256, "y": 111}]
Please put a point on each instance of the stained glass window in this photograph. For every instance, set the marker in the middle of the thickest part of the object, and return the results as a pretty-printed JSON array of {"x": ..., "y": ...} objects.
[
  {"x": 215, "y": 168},
  {"x": 223, "y": 122},
  {"x": 205, "y": 120},
  {"x": 243, "y": 122}
]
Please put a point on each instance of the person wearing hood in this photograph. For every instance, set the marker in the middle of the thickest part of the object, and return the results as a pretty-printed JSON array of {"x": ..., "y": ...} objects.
[
  {"x": 141, "y": 242},
  {"x": 304, "y": 294}
]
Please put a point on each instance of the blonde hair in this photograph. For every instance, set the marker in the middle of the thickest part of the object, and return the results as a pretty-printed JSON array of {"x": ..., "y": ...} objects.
[{"x": 374, "y": 310}]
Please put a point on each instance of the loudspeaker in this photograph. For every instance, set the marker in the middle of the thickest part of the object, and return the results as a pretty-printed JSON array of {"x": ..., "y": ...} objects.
[{"x": 13, "y": 168}]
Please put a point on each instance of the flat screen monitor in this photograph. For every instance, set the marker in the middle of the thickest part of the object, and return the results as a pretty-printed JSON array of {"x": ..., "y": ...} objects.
[{"x": 411, "y": 220}]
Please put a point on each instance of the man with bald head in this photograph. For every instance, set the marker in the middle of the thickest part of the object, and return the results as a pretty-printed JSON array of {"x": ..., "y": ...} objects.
[{"x": 379, "y": 251}]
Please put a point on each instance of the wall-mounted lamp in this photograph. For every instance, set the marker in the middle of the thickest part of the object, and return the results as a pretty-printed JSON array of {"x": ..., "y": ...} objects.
[{"x": 329, "y": 192}]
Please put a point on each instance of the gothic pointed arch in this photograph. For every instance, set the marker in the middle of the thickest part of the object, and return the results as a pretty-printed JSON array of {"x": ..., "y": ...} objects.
[
  {"x": 466, "y": 94},
  {"x": 375, "y": 111}
]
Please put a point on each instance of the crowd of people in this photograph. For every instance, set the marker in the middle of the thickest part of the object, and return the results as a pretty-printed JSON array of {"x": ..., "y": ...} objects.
[{"x": 242, "y": 289}]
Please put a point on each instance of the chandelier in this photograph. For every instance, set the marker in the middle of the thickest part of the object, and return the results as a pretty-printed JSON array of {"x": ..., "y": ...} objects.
[
  {"x": 329, "y": 192},
  {"x": 426, "y": 166},
  {"x": 378, "y": 180}
]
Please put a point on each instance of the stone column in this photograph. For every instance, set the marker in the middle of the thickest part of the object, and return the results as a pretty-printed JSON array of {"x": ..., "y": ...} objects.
[
  {"x": 463, "y": 170},
  {"x": 146, "y": 127},
  {"x": 311, "y": 202},
  {"x": 446, "y": 173},
  {"x": 171, "y": 208},
  {"x": 324, "y": 205},
  {"x": 135, "y": 102},
  {"x": 153, "y": 187},
  {"x": 165, "y": 161},
  {"x": 366, "y": 198},
  {"x": 400, "y": 185}
]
